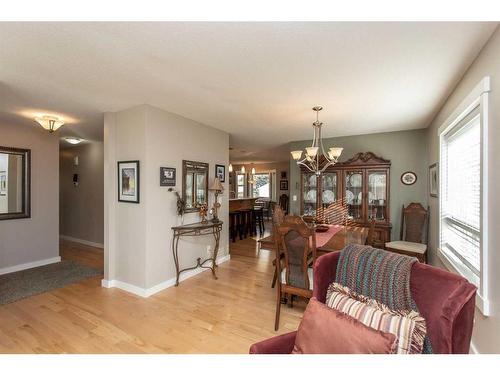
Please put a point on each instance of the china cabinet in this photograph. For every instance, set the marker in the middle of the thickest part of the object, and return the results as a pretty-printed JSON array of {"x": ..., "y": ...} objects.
[{"x": 363, "y": 181}]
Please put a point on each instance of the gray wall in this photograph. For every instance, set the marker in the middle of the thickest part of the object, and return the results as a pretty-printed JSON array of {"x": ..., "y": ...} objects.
[
  {"x": 82, "y": 207},
  {"x": 138, "y": 236},
  {"x": 485, "y": 335},
  {"x": 407, "y": 151},
  {"x": 36, "y": 238}
]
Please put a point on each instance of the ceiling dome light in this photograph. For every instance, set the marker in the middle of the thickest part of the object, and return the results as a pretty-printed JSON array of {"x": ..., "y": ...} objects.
[
  {"x": 50, "y": 123},
  {"x": 73, "y": 140}
]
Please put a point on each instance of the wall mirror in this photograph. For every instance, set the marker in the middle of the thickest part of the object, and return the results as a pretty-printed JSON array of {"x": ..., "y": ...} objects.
[
  {"x": 194, "y": 184},
  {"x": 15, "y": 171}
]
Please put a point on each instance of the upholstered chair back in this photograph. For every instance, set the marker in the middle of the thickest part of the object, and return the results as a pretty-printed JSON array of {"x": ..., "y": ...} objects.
[{"x": 414, "y": 223}]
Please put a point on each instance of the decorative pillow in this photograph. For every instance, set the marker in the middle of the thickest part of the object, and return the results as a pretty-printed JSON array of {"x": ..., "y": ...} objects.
[
  {"x": 408, "y": 326},
  {"x": 326, "y": 331}
]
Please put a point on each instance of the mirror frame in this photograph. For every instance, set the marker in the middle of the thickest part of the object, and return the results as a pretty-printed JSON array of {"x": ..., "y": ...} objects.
[
  {"x": 185, "y": 167},
  {"x": 26, "y": 183}
]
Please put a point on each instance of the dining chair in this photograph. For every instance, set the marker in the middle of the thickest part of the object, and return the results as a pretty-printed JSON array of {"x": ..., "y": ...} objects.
[
  {"x": 284, "y": 202},
  {"x": 277, "y": 219},
  {"x": 413, "y": 232},
  {"x": 295, "y": 278},
  {"x": 335, "y": 213},
  {"x": 370, "y": 239}
]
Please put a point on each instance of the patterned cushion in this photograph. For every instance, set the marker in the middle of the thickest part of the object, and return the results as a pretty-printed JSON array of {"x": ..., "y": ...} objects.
[
  {"x": 408, "y": 326},
  {"x": 309, "y": 274}
]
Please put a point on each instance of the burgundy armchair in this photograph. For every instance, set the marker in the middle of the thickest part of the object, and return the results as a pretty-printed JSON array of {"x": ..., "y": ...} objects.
[{"x": 445, "y": 300}]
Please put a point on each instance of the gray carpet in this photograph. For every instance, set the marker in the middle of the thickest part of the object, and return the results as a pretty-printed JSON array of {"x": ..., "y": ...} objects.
[{"x": 22, "y": 284}]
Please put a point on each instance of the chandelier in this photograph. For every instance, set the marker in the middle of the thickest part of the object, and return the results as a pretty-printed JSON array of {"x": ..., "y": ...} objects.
[
  {"x": 315, "y": 158},
  {"x": 50, "y": 123}
]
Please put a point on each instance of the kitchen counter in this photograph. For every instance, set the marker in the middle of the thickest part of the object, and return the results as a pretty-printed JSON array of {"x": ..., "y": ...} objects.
[{"x": 241, "y": 203}]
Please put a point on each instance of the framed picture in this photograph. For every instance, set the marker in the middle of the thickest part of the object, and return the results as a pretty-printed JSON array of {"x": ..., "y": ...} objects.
[
  {"x": 284, "y": 185},
  {"x": 220, "y": 172},
  {"x": 167, "y": 176},
  {"x": 408, "y": 178},
  {"x": 283, "y": 175},
  {"x": 128, "y": 181},
  {"x": 434, "y": 180},
  {"x": 3, "y": 183}
]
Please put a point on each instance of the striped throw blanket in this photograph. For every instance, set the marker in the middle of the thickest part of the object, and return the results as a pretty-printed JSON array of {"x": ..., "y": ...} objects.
[{"x": 380, "y": 275}]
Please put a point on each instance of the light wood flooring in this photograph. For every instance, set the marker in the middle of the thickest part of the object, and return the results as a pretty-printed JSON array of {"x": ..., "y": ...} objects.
[{"x": 202, "y": 315}]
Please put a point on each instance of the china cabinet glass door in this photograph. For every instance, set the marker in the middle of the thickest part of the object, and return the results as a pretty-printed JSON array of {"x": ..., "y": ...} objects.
[
  {"x": 328, "y": 188},
  {"x": 377, "y": 195},
  {"x": 309, "y": 194},
  {"x": 354, "y": 194}
]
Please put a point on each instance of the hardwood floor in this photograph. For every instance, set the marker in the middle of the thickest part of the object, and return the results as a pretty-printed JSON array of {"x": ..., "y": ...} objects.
[{"x": 202, "y": 315}]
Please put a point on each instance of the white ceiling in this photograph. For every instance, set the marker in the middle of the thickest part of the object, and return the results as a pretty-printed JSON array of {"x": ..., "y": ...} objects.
[{"x": 257, "y": 81}]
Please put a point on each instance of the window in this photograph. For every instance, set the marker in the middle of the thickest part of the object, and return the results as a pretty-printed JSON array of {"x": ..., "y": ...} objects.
[
  {"x": 240, "y": 185},
  {"x": 462, "y": 237},
  {"x": 261, "y": 187}
]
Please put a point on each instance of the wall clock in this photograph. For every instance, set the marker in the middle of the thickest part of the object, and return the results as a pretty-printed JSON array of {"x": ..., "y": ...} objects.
[{"x": 408, "y": 178}]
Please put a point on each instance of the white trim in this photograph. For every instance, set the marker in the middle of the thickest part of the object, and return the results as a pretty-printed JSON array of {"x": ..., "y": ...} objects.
[
  {"x": 145, "y": 293},
  {"x": 473, "y": 349},
  {"x": 481, "y": 303},
  {"x": 25, "y": 266},
  {"x": 477, "y": 97},
  {"x": 84, "y": 242},
  {"x": 471, "y": 101}
]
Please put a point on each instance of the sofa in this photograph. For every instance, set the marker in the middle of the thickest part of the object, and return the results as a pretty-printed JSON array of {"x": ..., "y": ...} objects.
[{"x": 444, "y": 299}]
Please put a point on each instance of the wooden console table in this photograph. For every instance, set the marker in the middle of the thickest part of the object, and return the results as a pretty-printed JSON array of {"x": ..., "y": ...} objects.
[{"x": 192, "y": 230}]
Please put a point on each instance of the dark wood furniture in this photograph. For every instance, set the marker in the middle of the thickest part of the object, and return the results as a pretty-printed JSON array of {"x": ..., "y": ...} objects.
[
  {"x": 363, "y": 182},
  {"x": 414, "y": 232},
  {"x": 192, "y": 230},
  {"x": 284, "y": 203},
  {"x": 298, "y": 243},
  {"x": 343, "y": 237},
  {"x": 241, "y": 203}
]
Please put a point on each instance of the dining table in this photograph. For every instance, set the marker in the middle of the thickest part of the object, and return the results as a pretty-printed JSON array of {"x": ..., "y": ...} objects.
[{"x": 334, "y": 239}]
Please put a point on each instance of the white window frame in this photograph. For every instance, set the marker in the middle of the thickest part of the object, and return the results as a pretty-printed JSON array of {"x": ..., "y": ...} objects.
[{"x": 477, "y": 97}]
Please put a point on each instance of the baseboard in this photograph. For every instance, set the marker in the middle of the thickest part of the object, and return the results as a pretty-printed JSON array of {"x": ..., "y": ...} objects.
[
  {"x": 473, "y": 349},
  {"x": 25, "y": 266},
  {"x": 83, "y": 242},
  {"x": 143, "y": 292}
]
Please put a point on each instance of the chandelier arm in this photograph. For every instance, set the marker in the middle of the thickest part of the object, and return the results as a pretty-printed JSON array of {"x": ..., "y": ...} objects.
[
  {"x": 327, "y": 157},
  {"x": 305, "y": 165}
]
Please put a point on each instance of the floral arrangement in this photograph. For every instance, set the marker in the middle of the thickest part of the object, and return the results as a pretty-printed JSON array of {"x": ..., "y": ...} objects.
[{"x": 181, "y": 203}]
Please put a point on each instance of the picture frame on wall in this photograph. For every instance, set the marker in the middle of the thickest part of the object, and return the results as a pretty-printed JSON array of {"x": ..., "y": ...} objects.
[
  {"x": 408, "y": 178},
  {"x": 283, "y": 175},
  {"x": 284, "y": 185},
  {"x": 128, "y": 181},
  {"x": 220, "y": 172},
  {"x": 167, "y": 176},
  {"x": 434, "y": 180}
]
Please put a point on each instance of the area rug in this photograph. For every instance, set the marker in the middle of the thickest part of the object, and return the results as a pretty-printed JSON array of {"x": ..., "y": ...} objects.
[{"x": 22, "y": 284}]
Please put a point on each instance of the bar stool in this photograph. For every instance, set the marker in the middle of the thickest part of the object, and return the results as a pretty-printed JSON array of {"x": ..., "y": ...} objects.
[
  {"x": 258, "y": 218},
  {"x": 233, "y": 225},
  {"x": 245, "y": 222}
]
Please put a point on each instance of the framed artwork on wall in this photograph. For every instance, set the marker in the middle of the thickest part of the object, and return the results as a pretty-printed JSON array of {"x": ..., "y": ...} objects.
[
  {"x": 167, "y": 176},
  {"x": 434, "y": 180},
  {"x": 128, "y": 181},
  {"x": 283, "y": 175},
  {"x": 284, "y": 185},
  {"x": 408, "y": 178},
  {"x": 220, "y": 172}
]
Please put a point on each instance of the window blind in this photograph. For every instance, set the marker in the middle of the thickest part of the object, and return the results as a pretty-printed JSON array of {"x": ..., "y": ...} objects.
[{"x": 461, "y": 192}]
